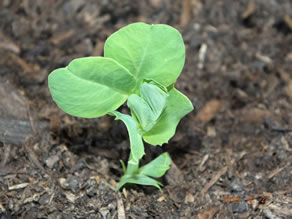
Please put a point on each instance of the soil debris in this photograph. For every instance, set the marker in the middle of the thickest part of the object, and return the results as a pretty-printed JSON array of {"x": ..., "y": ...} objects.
[{"x": 235, "y": 150}]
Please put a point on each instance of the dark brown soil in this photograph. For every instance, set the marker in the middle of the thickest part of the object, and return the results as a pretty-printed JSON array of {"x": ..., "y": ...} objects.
[{"x": 232, "y": 156}]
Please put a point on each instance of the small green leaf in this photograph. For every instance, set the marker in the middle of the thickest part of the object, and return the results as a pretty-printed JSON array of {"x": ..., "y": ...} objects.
[
  {"x": 154, "y": 52},
  {"x": 155, "y": 97},
  {"x": 90, "y": 87},
  {"x": 123, "y": 166},
  {"x": 177, "y": 106},
  {"x": 136, "y": 143},
  {"x": 147, "y": 108},
  {"x": 141, "y": 111},
  {"x": 157, "y": 167},
  {"x": 138, "y": 179}
]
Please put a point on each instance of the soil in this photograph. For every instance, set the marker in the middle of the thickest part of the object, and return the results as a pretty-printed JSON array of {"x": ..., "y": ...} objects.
[{"x": 232, "y": 156}]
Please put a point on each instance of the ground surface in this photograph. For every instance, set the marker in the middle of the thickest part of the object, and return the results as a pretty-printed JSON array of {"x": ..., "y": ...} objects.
[{"x": 232, "y": 156}]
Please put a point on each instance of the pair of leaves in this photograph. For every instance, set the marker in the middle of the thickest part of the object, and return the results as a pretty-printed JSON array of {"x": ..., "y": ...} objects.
[
  {"x": 156, "y": 168},
  {"x": 94, "y": 86}
]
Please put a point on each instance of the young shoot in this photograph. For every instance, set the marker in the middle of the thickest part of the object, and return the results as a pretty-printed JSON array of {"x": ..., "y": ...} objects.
[{"x": 140, "y": 65}]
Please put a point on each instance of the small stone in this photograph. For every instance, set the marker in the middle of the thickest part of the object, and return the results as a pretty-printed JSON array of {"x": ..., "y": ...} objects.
[
  {"x": 236, "y": 186},
  {"x": 73, "y": 185},
  {"x": 51, "y": 161},
  {"x": 104, "y": 212},
  {"x": 91, "y": 192},
  {"x": 63, "y": 183}
]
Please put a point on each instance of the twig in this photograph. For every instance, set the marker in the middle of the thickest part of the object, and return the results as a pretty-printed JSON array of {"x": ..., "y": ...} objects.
[
  {"x": 276, "y": 171},
  {"x": 186, "y": 12},
  {"x": 121, "y": 209},
  {"x": 213, "y": 181},
  {"x": 280, "y": 129}
]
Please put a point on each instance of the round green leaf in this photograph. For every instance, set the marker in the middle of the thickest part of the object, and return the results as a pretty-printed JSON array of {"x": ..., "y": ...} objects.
[
  {"x": 91, "y": 87},
  {"x": 155, "y": 52}
]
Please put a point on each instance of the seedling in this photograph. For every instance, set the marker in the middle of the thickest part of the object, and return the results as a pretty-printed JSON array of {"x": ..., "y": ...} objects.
[{"x": 140, "y": 65}]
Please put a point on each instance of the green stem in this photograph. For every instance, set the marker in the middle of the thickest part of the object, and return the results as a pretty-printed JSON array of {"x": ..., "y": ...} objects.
[{"x": 131, "y": 168}]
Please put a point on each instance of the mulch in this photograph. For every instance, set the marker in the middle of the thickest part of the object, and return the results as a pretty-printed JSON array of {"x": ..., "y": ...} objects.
[{"x": 232, "y": 156}]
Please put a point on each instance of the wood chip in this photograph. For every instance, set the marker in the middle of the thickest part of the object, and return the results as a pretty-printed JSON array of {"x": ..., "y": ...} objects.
[
  {"x": 155, "y": 3},
  {"x": 33, "y": 198},
  {"x": 28, "y": 71},
  {"x": 189, "y": 198},
  {"x": 285, "y": 76},
  {"x": 285, "y": 144},
  {"x": 18, "y": 186},
  {"x": 211, "y": 131},
  {"x": 289, "y": 57},
  {"x": 288, "y": 88},
  {"x": 161, "y": 199},
  {"x": 254, "y": 115},
  {"x": 276, "y": 171},
  {"x": 288, "y": 21},
  {"x": 8, "y": 44},
  {"x": 61, "y": 37},
  {"x": 21, "y": 62},
  {"x": 204, "y": 160},
  {"x": 186, "y": 12},
  {"x": 251, "y": 7},
  {"x": 281, "y": 210},
  {"x": 70, "y": 196},
  {"x": 2, "y": 209},
  {"x": 121, "y": 208},
  {"x": 208, "y": 214},
  {"x": 98, "y": 49},
  {"x": 209, "y": 110},
  {"x": 263, "y": 58},
  {"x": 202, "y": 55}
]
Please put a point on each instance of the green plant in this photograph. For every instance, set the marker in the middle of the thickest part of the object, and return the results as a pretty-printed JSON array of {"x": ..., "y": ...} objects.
[{"x": 141, "y": 64}]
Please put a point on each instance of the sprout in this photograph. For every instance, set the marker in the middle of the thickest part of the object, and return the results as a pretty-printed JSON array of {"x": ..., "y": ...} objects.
[{"x": 140, "y": 65}]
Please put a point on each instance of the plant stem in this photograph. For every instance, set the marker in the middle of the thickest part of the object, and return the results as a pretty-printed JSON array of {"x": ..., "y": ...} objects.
[{"x": 131, "y": 168}]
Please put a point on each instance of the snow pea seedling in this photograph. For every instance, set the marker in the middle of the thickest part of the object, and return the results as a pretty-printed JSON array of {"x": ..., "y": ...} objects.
[{"x": 140, "y": 65}]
